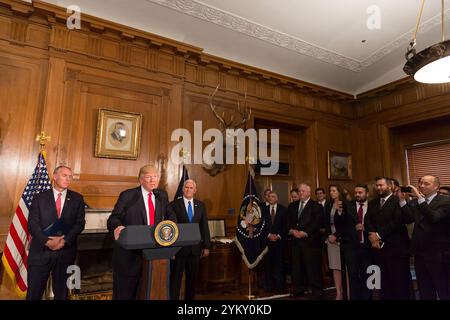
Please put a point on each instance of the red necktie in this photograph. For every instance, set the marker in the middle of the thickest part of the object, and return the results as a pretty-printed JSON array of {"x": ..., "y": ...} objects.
[
  {"x": 151, "y": 210},
  {"x": 360, "y": 220},
  {"x": 58, "y": 205}
]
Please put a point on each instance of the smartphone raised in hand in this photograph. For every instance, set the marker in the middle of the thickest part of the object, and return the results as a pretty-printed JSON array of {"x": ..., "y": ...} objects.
[{"x": 406, "y": 189}]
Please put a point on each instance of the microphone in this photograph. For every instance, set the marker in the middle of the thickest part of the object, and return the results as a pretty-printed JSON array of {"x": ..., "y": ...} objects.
[{"x": 155, "y": 192}]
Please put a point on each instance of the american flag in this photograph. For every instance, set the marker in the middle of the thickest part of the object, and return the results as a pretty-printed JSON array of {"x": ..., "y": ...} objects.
[{"x": 15, "y": 254}]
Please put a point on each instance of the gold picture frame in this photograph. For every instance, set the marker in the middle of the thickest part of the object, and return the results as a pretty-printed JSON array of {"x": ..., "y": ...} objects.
[
  {"x": 339, "y": 166},
  {"x": 118, "y": 134}
]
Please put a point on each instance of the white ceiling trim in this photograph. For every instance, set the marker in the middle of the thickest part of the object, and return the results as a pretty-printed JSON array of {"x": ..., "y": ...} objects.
[{"x": 236, "y": 23}]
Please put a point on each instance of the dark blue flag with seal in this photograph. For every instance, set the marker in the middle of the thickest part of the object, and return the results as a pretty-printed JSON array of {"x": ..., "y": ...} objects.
[
  {"x": 251, "y": 228},
  {"x": 184, "y": 177}
]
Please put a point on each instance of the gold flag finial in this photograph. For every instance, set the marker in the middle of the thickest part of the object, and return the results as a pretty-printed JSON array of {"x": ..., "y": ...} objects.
[{"x": 42, "y": 138}]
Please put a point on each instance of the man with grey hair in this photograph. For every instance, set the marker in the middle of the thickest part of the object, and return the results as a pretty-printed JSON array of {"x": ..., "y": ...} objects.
[
  {"x": 303, "y": 225},
  {"x": 55, "y": 221},
  {"x": 431, "y": 237},
  {"x": 189, "y": 210}
]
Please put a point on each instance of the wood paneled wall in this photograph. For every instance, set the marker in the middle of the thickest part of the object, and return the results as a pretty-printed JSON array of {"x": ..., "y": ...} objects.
[
  {"x": 55, "y": 79},
  {"x": 392, "y": 117}
]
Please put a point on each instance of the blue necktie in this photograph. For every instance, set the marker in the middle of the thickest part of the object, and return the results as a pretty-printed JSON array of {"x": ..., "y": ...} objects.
[{"x": 190, "y": 212}]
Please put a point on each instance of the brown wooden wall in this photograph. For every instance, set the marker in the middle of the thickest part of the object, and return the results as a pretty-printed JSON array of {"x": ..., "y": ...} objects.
[
  {"x": 55, "y": 80},
  {"x": 394, "y": 116}
]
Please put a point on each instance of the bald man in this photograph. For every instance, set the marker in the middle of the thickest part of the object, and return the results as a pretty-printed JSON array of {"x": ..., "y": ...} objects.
[
  {"x": 431, "y": 237},
  {"x": 144, "y": 205}
]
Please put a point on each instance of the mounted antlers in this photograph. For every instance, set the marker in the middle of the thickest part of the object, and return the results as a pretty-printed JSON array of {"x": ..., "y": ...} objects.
[{"x": 244, "y": 114}]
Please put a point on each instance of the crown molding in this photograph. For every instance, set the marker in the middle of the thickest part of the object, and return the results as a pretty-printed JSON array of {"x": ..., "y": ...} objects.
[{"x": 236, "y": 23}]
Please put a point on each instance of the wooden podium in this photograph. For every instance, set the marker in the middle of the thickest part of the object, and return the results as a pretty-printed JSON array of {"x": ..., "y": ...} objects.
[{"x": 156, "y": 271}]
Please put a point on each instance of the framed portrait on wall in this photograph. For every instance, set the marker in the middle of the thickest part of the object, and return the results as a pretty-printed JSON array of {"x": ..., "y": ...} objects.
[
  {"x": 118, "y": 134},
  {"x": 339, "y": 166}
]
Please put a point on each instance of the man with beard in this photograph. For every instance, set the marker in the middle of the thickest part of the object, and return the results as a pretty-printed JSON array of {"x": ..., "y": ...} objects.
[
  {"x": 356, "y": 245},
  {"x": 390, "y": 243}
]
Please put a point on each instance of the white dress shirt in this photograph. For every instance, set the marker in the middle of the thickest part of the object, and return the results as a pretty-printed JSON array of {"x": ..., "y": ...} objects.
[
  {"x": 63, "y": 197},
  {"x": 145, "y": 196}
]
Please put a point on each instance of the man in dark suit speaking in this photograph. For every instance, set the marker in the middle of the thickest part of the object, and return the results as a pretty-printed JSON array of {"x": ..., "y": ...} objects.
[
  {"x": 189, "y": 210},
  {"x": 54, "y": 251},
  {"x": 144, "y": 205}
]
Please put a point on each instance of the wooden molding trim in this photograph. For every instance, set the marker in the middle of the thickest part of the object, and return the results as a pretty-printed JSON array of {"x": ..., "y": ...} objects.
[
  {"x": 386, "y": 89},
  {"x": 56, "y": 18}
]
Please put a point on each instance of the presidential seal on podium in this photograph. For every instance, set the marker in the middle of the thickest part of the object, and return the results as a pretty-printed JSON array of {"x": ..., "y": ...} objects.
[{"x": 166, "y": 233}]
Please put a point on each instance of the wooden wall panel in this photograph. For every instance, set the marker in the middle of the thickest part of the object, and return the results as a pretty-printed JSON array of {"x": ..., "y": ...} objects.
[
  {"x": 55, "y": 80},
  {"x": 21, "y": 85},
  {"x": 383, "y": 116}
]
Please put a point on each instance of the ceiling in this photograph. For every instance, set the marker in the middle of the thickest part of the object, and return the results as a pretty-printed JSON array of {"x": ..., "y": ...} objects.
[{"x": 318, "y": 41}]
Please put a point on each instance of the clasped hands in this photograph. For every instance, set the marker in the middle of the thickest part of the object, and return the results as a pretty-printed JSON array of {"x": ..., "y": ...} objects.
[
  {"x": 375, "y": 240},
  {"x": 273, "y": 237},
  {"x": 297, "y": 233},
  {"x": 55, "y": 243}
]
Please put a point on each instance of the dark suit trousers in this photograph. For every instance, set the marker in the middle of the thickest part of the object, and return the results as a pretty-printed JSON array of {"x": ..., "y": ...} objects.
[
  {"x": 432, "y": 275},
  {"x": 125, "y": 287},
  {"x": 274, "y": 267},
  {"x": 188, "y": 264},
  {"x": 357, "y": 259},
  {"x": 395, "y": 274},
  {"x": 39, "y": 274},
  {"x": 306, "y": 261}
]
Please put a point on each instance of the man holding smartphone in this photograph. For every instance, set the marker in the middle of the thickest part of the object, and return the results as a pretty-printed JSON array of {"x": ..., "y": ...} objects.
[{"x": 430, "y": 241}]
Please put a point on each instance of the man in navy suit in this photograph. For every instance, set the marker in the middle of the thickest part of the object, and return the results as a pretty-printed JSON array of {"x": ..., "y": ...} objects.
[
  {"x": 144, "y": 205},
  {"x": 189, "y": 210},
  {"x": 54, "y": 254},
  {"x": 275, "y": 216}
]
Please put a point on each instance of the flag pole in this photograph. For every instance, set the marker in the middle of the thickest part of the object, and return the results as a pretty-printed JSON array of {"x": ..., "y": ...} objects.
[
  {"x": 42, "y": 138},
  {"x": 250, "y": 275}
]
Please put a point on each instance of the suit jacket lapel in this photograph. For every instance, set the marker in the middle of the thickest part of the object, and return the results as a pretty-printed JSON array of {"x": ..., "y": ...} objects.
[
  {"x": 141, "y": 205},
  {"x": 158, "y": 217},
  {"x": 305, "y": 209},
  {"x": 67, "y": 203},
  {"x": 434, "y": 202},
  {"x": 51, "y": 199},
  {"x": 354, "y": 212},
  {"x": 196, "y": 212}
]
